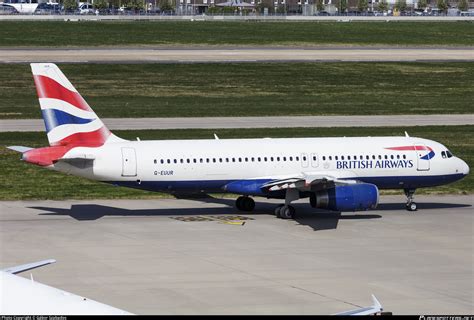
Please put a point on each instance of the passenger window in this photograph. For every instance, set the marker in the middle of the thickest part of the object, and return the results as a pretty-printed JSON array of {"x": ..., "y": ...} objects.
[
  {"x": 391, "y": 156},
  {"x": 240, "y": 159},
  {"x": 342, "y": 157},
  {"x": 348, "y": 157},
  {"x": 214, "y": 160},
  {"x": 220, "y": 159},
  {"x": 398, "y": 156},
  {"x": 278, "y": 158},
  {"x": 175, "y": 161},
  {"x": 291, "y": 158},
  {"x": 259, "y": 159},
  {"x": 330, "y": 157},
  {"x": 373, "y": 157},
  {"x": 207, "y": 160},
  {"x": 194, "y": 160},
  {"x": 380, "y": 157},
  {"x": 162, "y": 161},
  {"x": 154, "y": 161},
  {"x": 265, "y": 159},
  {"x": 188, "y": 161},
  {"x": 297, "y": 158},
  {"x": 336, "y": 158},
  {"x": 304, "y": 158},
  {"x": 367, "y": 157},
  {"x": 404, "y": 156},
  {"x": 226, "y": 159},
  {"x": 169, "y": 161},
  {"x": 233, "y": 159},
  {"x": 324, "y": 158},
  {"x": 253, "y": 159},
  {"x": 201, "y": 160},
  {"x": 284, "y": 158},
  {"x": 246, "y": 159}
]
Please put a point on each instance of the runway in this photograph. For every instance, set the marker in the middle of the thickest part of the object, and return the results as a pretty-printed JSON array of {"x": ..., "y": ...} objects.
[
  {"x": 178, "y": 257},
  {"x": 259, "y": 122},
  {"x": 153, "y": 55}
]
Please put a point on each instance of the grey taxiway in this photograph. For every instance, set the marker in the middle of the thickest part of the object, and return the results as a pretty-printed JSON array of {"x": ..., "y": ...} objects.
[{"x": 170, "y": 256}]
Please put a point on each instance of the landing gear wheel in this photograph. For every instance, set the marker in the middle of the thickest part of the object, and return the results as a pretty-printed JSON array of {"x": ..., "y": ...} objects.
[
  {"x": 245, "y": 203},
  {"x": 287, "y": 212},
  {"x": 277, "y": 210},
  {"x": 411, "y": 206}
]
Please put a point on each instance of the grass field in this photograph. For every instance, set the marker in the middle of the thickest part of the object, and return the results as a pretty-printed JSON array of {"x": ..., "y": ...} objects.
[
  {"x": 23, "y": 181},
  {"x": 252, "y": 89},
  {"x": 60, "y": 33}
]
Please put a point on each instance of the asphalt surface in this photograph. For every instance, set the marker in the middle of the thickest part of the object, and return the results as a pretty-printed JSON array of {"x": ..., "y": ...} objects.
[
  {"x": 144, "y": 55},
  {"x": 259, "y": 122},
  {"x": 154, "y": 257}
]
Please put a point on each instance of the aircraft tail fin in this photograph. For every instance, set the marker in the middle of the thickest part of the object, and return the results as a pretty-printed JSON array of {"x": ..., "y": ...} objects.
[{"x": 69, "y": 120}]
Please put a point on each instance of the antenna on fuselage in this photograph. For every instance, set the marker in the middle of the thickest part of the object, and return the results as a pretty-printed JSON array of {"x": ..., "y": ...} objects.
[
  {"x": 406, "y": 135},
  {"x": 216, "y": 137}
]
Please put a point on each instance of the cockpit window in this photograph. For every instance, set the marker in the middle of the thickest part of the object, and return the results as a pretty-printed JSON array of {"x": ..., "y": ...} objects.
[
  {"x": 443, "y": 154},
  {"x": 449, "y": 154}
]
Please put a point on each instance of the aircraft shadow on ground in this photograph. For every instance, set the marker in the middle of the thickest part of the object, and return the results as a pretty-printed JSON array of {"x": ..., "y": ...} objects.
[{"x": 306, "y": 216}]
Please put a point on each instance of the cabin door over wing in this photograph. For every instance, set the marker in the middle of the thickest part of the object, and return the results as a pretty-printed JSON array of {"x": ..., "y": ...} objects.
[{"x": 129, "y": 162}]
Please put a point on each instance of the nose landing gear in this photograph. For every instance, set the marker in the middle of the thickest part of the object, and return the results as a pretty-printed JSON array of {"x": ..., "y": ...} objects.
[{"x": 411, "y": 204}]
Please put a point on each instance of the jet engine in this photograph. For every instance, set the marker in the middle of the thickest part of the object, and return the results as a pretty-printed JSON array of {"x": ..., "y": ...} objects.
[{"x": 354, "y": 197}]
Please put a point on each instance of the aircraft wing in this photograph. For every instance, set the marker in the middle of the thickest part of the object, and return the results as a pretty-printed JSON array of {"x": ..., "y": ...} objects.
[
  {"x": 28, "y": 266},
  {"x": 307, "y": 182},
  {"x": 375, "y": 308}
]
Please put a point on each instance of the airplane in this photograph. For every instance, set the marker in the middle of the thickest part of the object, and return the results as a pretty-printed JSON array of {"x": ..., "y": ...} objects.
[
  {"x": 21, "y": 296},
  {"x": 337, "y": 174}
]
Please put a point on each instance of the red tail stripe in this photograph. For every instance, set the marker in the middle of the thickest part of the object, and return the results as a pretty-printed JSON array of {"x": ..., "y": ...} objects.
[
  {"x": 85, "y": 139},
  {"x": 49, "y": 88},
  {"x": 410, "y": 148}
]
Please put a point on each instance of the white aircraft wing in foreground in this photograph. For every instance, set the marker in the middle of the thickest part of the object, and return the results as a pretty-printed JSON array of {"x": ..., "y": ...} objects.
[{"x": 20, "y": 296}]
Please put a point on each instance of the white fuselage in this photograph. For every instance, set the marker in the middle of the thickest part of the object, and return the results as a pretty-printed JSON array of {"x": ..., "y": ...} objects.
[{"x": 207, "y": 165}]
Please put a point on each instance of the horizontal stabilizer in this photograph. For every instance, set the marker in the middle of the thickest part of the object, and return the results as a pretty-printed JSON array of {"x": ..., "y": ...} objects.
[
  {"x": 28, "y": 266},
  {"x": 19, "y": 148}
]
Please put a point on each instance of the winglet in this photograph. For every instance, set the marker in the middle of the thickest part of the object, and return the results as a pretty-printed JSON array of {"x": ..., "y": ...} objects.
[
  {"x": 376, "y": 303},
  {"x": 28, "y": 266},
  {"x": 19, "y": 148},
  {"x": 375, "y": 308}
]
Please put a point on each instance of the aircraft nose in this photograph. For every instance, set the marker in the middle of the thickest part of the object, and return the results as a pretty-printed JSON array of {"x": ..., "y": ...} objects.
[{"x": 465, "y": 168}]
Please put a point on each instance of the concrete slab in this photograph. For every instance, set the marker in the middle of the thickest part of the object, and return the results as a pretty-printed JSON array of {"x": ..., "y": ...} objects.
[{"x": 136, "y": 256}]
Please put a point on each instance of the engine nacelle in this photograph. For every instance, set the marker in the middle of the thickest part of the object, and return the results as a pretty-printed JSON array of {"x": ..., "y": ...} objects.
[{"x": 354, "y": 197}]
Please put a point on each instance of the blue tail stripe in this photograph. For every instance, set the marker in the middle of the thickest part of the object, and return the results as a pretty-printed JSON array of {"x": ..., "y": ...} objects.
[{"x": 54, "y": 118}]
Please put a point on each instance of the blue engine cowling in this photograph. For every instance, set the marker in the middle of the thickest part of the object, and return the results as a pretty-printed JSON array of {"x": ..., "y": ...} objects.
[{"x": 354, "y": 197}]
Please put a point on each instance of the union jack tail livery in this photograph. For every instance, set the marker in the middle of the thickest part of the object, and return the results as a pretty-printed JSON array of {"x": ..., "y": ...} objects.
[{"x": 69, "y": 120}]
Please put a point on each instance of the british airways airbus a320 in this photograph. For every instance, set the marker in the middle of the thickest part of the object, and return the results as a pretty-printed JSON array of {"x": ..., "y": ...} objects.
[{"x": 339, "y": 174}]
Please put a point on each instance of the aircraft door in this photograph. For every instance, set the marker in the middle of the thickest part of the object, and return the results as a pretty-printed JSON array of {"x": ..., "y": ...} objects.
[
  {"x": 314, "y": 160},
  {"x": 304, "y": 160},
  {"x": 129, "y": 162},
  {"x": 423, "y": 158}
]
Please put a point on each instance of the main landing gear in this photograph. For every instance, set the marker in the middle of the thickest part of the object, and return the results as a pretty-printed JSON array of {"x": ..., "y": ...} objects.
[
  {"x": 411, "y": 204},
  {"x": 286, "y": 211},
  {"x": 244, "y": 203}
]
